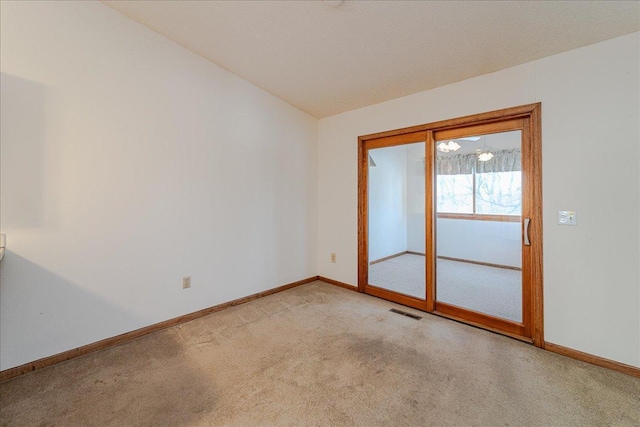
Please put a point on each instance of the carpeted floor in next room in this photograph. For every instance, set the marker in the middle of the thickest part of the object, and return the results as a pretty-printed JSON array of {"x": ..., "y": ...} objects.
[
  {"x": 491, "y": 290},
  {"x": 321, "y": 355}
]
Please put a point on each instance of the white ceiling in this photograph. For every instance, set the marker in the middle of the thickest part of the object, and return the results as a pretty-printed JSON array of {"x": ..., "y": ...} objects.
[{"x": 326, "y": 60}]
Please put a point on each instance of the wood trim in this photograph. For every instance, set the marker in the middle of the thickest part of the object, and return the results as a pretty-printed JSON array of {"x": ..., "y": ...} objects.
[
  {"x": 479, "y": 129},
  {"x": 525, "y": 118},
  {"x": 528, "y": 204},
  {"x": 363, "y": 216},
  {"x": 430, "y": 221},
  {"x": 594, "y": 360},
  {"x": 128, "y": 336},
  {"x": 488, "y": 264},
  {"x": 491, "y": 116},
  {"x": 391, "y": 141},
  {"x": 478, "y": 318},
  {"x": 396, "y": 297},
  {"x": 482, "y": 326},
  {"x": 388, "y": 257},
  {"x": 400, "y": 254},
  {"x": 337, "y": 283},
  {"x": 534, "y": 128},
  {"x": 480, "y": 217}
]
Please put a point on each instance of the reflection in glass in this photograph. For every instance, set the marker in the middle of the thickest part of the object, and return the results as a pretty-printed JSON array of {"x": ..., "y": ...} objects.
[
  {"x": 478, "y": 231},
  {"x": 397, "y": 218}
]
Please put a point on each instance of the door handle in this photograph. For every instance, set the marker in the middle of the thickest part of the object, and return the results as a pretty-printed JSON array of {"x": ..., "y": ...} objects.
[{"x": 527, "y": 221}]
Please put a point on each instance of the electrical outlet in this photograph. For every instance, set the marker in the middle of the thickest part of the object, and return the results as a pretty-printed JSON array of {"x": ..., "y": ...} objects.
[
  {"x": 333, "y": 257},
  {"x": 186, "y": 282}
]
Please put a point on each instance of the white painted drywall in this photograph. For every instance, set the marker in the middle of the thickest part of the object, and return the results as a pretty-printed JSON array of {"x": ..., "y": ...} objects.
[
  {"x": 388, "y": 202},
  {"x": 495, "y": 242},
  {"x": 589, "y": 101},
  {"x": 591, "y": 98},
  {"x": 127, "y": 163},
  {"x": 415, "y": 197}
]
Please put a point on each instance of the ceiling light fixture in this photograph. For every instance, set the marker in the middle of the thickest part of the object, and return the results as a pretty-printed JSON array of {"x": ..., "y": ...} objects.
[
  {"x": 446, "y": 147},
  {"x": 485, "y": 156}
]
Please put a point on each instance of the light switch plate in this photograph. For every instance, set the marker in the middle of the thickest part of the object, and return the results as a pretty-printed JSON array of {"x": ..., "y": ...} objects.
[{"x": 567, "y": 218}]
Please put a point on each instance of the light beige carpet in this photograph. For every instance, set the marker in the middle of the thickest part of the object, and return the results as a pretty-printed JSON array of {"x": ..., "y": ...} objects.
[
  {"x": 490, "y": 290},
  {"x": 321, "y": 355}
]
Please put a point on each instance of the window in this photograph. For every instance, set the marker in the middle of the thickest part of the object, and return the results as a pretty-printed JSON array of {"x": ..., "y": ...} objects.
[
  {"x": 455, "y": 193},
  {"x": 468, "y": 186},
  {"x": 499, "y": 193}
]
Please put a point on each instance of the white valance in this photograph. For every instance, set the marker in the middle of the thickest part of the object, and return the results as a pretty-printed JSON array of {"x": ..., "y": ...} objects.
[{"x": 466, "y": 164}]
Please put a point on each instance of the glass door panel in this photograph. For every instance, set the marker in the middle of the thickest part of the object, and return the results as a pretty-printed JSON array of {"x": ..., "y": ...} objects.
[
  {"x": 396, "y": 215},
  {"x": 478, "y": 202}
]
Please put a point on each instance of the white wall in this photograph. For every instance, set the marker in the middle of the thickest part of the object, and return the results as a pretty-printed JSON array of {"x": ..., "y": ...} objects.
[
  {"x": 127, "y": 163},
  {"x": 388, "y": 202},
  {"x": 415, "y": 197},
  {"x": 589, "y": 100},
  {"x": 495, "y": 242}
]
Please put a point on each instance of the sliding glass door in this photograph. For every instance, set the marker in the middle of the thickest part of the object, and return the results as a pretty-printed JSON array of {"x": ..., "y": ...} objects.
[
  {"x": 392, "y": 217},
  {"x": 450, "y": 219},
  {"x": 478, "y": 189},
  {"x": 396, "y": 219}
]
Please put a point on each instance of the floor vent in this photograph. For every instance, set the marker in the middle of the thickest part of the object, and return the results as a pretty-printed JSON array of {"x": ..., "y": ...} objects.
[{"x": 404, "y": 313}]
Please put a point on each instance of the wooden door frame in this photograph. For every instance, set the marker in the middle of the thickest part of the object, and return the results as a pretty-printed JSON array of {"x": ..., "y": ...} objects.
[{"x": 532, "y": 208}]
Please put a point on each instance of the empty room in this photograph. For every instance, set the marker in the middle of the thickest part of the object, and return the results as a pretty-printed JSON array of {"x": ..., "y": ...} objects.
[{"x": 331, "y": 212}]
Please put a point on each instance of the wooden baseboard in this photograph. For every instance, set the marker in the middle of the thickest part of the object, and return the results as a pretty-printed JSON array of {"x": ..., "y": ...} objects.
[
  {"x": 128, "y": 336},
  {"x": 396, "y": 255},
  {"x": 594, "y": 360},
  {"x": 388, "y": 257},
  {"x": 488, "y": 264},
  {"x": 337, "y": 283}
]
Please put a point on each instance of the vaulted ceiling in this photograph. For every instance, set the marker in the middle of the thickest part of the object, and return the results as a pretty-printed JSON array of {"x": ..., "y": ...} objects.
[{"x": 327, "y": 57}]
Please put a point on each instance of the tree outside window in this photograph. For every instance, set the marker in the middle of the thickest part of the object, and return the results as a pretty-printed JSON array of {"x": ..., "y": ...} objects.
[{"x": 477, "y": 188}]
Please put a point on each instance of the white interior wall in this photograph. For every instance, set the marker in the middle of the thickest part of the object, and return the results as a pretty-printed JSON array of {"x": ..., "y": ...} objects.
[
  {"x": 589, "y": 97},
  {"x": 415, "y": 197},
  {"x": 127, "y": 163},
  {"x": 388, "y": 202},
  {"x": 494, "y": 242},
  {"x": 593, "y": 97}
]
